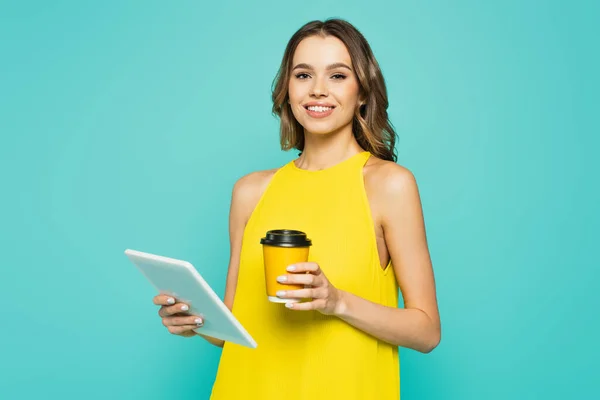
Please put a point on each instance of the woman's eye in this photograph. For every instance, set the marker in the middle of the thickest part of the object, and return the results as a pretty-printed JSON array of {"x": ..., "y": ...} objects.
[{"x": 303, "y": 76}]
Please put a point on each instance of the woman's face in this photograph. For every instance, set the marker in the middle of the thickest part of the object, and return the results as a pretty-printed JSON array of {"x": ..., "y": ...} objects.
[{"x": 323, "y": 89}]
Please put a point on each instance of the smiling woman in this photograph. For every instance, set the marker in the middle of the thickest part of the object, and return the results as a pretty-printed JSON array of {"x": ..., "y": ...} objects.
[
  {"x": 344, "y": 65},
  {"x": 338, "y": 334},
  {"x": 326, "y": 89}
]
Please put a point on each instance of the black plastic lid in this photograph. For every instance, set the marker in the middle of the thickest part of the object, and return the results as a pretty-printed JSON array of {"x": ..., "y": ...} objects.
[{"x": 286, "y": 238}]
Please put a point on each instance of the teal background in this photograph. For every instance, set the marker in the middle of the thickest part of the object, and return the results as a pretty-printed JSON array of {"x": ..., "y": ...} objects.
[{"x": 126, "y": 124}]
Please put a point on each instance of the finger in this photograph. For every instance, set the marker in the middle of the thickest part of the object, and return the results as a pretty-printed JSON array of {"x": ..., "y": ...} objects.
[
  {"x": 178, "y": 321},
  {"x": 310, "y": 267},
  {"x": 293, "y": 279},
  {"x": 307, "y": 305},
  {"x": 171, "y": 310},
  {"x": 178, "y": 330},
  {"x": 163, "y": 300},
  {"x": 299, "y": 294}
]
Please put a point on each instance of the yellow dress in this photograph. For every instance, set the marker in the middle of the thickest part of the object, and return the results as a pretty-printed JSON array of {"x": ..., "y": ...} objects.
[{"x": 305, "y": 355}]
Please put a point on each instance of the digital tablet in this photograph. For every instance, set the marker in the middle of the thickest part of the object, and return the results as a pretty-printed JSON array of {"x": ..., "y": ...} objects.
[{"x": 180, "y": 279}]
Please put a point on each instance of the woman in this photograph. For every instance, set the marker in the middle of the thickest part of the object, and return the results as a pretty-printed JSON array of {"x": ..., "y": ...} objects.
[{"x": 363, "y": 214}]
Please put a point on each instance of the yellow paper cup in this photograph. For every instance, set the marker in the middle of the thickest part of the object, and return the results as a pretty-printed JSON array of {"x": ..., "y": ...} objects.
[{"x": 281, "y": 248}]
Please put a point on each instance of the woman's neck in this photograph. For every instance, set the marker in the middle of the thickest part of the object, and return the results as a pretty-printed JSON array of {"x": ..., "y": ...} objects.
[{"x": 322, "y": 151}]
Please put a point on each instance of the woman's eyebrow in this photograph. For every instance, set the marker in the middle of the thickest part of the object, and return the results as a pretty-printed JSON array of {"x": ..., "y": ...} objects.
[{"x": 329, "y": 67}]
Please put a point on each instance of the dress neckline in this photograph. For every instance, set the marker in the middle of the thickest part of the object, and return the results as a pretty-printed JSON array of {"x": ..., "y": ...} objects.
[{"x": 335, "y": 166}]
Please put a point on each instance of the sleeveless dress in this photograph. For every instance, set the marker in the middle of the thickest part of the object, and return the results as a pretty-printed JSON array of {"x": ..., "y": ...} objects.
[{"x": 305, "y": 355}]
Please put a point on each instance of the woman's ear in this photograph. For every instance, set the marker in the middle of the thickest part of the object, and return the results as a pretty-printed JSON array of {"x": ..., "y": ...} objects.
[{"x": 361, "y": 101}]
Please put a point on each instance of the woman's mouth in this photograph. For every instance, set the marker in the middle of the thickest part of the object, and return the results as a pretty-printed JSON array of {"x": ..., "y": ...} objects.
[{"x": 319, "y": 111}]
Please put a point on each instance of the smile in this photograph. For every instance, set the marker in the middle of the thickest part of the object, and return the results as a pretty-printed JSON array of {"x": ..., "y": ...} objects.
[
  {"x": 319, "y": 108},
  {"x": 319, "y": 111}
]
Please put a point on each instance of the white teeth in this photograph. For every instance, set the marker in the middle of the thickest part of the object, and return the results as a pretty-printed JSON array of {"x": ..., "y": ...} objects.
[{"x": 319, "y": 108}]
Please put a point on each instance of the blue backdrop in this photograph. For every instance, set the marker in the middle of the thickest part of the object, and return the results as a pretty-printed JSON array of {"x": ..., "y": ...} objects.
[{"x": 125, "y": 125}]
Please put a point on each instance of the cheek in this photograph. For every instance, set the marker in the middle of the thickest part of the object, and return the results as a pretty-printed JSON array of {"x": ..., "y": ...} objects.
[
  {"x": 294, "y": 99},
  {"x": 294, "y": 91},
  {"x": 349, "y": 102},
  {"x": 296, "y": 96},
  {"x": 349, "y": 94}
]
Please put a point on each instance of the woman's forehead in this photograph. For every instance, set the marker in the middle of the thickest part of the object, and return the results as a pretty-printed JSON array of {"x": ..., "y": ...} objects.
[{"x": 319, "y": 52}]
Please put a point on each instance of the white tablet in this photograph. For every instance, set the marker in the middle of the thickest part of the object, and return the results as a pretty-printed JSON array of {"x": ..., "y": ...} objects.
[{"x": 180, "y": 279}]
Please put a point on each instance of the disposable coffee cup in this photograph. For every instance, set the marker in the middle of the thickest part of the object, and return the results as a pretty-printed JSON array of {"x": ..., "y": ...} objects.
[{"x": 281, "y": 248}]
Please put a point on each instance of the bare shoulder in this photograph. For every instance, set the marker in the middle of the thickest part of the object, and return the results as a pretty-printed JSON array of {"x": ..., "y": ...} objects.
[
  {"x": 387, "y": 178},
  {"x": 248, "y": 190},
  {"x": 254, "y": 183},
  {"x": 391, "y": 189}
]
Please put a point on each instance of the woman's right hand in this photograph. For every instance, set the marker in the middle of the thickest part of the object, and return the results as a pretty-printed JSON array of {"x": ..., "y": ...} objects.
[{"x": 175, "y": 318}]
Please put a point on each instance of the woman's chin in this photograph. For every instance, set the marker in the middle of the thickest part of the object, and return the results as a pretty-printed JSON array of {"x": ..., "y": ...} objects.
[
  {"x": 321, "y": 129},
  {"x": 319, "y": 133}
]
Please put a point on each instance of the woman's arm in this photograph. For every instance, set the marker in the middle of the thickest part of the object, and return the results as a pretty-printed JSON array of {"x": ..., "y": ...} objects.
[
  {"x": 417, "y": 326},
  {"x": 393, "y": 192}
]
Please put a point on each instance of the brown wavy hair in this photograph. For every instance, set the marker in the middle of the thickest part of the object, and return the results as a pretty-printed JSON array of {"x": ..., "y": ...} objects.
[{"x": 371, "y": 127}]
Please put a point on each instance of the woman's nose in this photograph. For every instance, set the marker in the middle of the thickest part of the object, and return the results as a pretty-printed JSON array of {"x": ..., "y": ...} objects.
[{"x": 319, "y": 88}]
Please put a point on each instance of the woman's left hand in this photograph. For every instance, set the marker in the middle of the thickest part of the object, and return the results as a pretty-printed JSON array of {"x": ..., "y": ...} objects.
[{"x": 325, "y": 297}]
